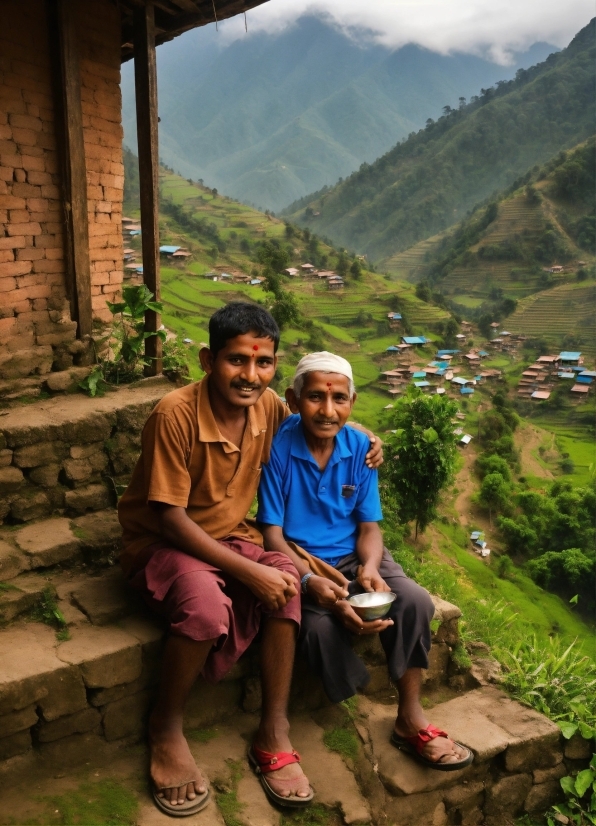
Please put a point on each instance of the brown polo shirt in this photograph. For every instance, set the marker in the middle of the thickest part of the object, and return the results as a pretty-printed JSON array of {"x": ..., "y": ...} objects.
[{"x": 185, "y": 461}]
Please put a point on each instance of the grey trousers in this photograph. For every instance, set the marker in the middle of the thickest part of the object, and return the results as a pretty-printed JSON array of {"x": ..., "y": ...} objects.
[{"x": 327, "y": 645}]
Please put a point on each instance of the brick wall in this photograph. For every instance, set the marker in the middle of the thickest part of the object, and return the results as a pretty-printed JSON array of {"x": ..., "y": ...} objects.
[{"x": 36, "y": 331}]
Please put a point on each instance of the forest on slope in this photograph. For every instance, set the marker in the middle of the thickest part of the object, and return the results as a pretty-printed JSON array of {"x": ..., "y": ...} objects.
[
  {"x": 431, "y": 180},
  {"x": 270, "y": 117},
  {"x": 502, "y": 255}
]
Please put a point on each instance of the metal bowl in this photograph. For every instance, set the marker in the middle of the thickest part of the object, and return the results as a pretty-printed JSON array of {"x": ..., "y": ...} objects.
[{"x": 372, "y": 606}]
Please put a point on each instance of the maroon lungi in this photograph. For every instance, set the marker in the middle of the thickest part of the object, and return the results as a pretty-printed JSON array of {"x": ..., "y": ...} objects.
[{"x": 203, "y": 603}]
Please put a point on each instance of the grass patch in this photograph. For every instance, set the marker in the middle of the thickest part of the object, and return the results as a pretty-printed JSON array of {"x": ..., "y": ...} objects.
[
  {"x": 105, "y": 803},
  {"x": 46, "y": 610},
  {"x": 343, "y": 741},
  {"x": 226, "y": 794},
  {"x": 315, "y": 815}
]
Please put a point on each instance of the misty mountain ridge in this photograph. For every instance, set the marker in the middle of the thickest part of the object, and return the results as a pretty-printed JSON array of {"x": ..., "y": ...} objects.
[
  {"x": 432, "y": 179},
  {"x": 271, "y": 117}
]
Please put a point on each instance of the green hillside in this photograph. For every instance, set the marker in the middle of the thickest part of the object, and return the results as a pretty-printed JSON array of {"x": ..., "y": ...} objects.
[
  {"x": 505, "y": 253},
  {"x": 432, "y": 179},
  {"x": 269, "y": 117},
  {"x": 224, "y": 235}
]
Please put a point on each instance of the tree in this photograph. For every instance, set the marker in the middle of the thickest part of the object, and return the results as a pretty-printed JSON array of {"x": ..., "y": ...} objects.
[
  {"x": 423, "y": 291},
  {"x": 494, "y": 493},
  {"x": 355, "y": 268},
  {"x": 421, "y": 455}
]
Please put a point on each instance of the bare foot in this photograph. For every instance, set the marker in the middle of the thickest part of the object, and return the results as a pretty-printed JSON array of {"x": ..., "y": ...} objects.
[
  {"x": 173, "y": 769},
  {"x": 289, "y": 780}
]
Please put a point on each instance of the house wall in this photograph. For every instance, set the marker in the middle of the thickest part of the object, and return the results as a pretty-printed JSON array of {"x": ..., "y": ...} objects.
[{"x": 36, "y": 331}]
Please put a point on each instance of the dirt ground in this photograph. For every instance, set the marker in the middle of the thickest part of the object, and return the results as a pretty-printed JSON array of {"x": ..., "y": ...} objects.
[{"x": 528, "y": 439}]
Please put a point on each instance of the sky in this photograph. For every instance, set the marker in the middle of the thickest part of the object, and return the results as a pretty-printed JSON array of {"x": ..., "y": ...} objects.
[{"x": 493, "y": 29}]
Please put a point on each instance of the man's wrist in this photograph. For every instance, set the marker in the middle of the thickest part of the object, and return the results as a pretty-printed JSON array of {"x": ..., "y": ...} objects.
[{"x": 304, "y": 581}]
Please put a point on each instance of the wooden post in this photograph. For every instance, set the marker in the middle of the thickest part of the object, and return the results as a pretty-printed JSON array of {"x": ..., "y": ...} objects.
[
  {"x": 147, "y": 138},
  {"x": 68, "y": 94}
]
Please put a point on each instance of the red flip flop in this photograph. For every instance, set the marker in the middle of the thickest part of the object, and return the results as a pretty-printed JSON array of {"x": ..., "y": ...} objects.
[
  {"x": 263, "y": 763},
  {"x": 415, "y": 744}
]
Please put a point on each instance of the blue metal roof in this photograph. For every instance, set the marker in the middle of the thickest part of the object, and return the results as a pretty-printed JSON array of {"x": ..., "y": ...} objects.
[
  {"x": 466, "y": 391},
  {"x": 414, "y": 339},
  {"x": 168, "y": 250},
  {"x": 422, "y": 383},
  {"x": 392, "y": 349},
  {"x": 568, "y": 355},
  {"x": 447, "y": 353},
  {"x": 396, "y": 316},
  {"x": 460, "y": 380},
  {"x": 419, "y": 374},
  {"x": 584, "y": 379},
  {"x": 589, "y": 373},
  {"x": 566, "y": 375},
  {"x": 482, "y": 353}
]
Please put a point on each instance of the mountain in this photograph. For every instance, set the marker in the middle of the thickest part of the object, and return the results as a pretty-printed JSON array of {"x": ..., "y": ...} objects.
[
  {"x": 426, "y": 183},
  {"x": 271, "y": 117}
]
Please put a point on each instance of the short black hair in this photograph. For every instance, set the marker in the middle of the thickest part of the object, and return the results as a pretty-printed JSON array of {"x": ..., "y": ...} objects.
[{"x": 238, "y": 318}]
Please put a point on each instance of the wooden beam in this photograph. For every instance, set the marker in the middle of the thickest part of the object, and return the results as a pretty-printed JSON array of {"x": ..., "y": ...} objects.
[
  {"x": 147, "y": 138},
  {"x": 68, "y": 93}
]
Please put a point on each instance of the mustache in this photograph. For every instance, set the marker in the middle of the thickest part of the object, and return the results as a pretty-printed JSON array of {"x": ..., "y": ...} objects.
[
  {"x": 325, "y": 421},
  {"x": 243, "y": 384}
]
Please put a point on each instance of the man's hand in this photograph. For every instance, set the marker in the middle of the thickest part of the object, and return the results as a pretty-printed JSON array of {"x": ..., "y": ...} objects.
[
  {"x": 325, "y": 592},
  {"x": 271, "y": 587},
  {"x": 370, "y": 579},
  {"x": 374, "y": 457},
  {"x": 350, "y": 619}
]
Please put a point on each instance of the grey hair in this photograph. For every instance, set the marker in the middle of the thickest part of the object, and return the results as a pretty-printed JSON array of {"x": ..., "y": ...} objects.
[{"x": 299, "y": 382}]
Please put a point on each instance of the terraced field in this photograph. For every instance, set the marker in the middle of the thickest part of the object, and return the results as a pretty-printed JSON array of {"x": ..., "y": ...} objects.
[
  {"x": 555, "y": 313},
  {"x": 410, "y": 264}
]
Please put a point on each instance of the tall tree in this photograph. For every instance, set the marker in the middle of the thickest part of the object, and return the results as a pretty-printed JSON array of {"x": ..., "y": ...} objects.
[{"x": 421, "y": 455}]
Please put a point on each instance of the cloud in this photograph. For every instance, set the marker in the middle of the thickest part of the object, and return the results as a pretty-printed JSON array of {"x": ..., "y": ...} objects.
[{"x": 491, "y": 28}]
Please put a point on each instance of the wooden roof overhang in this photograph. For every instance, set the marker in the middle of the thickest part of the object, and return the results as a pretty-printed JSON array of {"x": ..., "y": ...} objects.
[{"x": 174, "y": 17}]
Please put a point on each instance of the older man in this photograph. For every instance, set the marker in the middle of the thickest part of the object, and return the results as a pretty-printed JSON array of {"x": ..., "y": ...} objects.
[{"x": 317, "y": 493}]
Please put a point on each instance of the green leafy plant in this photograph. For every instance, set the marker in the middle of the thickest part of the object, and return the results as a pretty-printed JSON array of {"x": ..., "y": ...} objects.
[
  {"x": 126, "y": 342},
  {"x": 559, "y": 683},
  {"x": 580, "y": 805},
  {"x": 129, "y": 330},
  {"x": 46, "y": 610}
]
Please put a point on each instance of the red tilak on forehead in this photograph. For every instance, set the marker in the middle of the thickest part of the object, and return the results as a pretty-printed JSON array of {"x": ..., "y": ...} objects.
[
  {"x": 329, "y": 384},
  {"x": 255, "y": 347}
]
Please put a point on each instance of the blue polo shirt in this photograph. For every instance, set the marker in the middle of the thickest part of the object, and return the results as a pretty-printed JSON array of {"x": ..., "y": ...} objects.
[{"x": 319, "y": 510}]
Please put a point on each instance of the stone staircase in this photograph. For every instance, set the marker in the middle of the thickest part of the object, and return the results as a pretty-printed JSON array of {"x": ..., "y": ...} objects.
[{"x": 83, "y": 685}]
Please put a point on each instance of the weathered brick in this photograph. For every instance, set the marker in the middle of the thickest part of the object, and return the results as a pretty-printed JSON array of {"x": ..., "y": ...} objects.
[
  {"x": 15, "y": 268},
  {"x": 24, "y": 137},
  {"x": 12, "y": 242},
  {"x": 26, "y": 190},
  {"x": 26, "y": 122},
  {"x": 31, "y": 228},
  {"x": 38, "y": 178},
  {"x": 6, "y": 256}
]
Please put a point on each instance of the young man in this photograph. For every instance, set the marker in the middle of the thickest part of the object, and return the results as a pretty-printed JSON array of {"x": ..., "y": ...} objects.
[
  {"x": 190, "y": 552},
  {"x": 316, "y": 492}
]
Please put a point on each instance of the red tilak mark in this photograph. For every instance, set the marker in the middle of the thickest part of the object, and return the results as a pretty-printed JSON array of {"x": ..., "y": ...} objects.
[
  {"x": 329, "y": 384},
  {"x": 255, "y": 347}
]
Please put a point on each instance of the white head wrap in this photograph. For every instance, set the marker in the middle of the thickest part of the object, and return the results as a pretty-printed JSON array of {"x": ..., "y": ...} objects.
[{"x": 325, "y": 363}]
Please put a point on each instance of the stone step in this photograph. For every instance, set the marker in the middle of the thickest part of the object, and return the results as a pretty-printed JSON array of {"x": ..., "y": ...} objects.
[
  {"x": 69, "y": 454},
  {"x": 13, "y": 391},
  {"x": 518, "y": 759},
  {"x": 110, "y": 660},
  {"x": 37, "y": 546}
]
